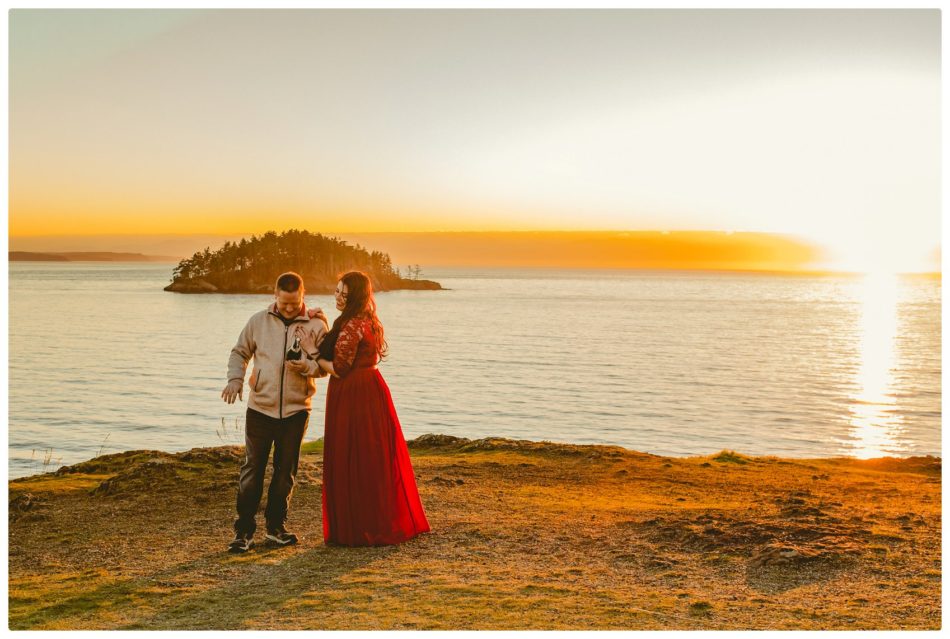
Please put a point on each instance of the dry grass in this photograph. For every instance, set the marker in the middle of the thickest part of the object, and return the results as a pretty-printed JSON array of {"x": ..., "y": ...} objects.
[{"x": 525, "y": 536}]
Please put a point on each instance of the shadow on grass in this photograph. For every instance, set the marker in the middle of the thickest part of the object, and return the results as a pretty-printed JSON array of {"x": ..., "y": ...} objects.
[
  {"x": 263, "y": 584},
  {"x": 91, "y": 600},
  {"x": 263, "y": 588}
]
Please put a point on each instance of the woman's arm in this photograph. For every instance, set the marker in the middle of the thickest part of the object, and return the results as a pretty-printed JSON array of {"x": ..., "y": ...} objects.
[
  {"x": 345, "y": 352},
  {"x": 327, "y": 365}
]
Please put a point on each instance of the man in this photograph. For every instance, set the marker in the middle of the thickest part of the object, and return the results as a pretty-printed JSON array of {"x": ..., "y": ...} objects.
[{"x": 278, "y": 407}]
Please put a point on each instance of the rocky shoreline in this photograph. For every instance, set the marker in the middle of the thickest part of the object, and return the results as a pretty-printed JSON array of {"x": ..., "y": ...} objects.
[{"x": 525, "y": 535}]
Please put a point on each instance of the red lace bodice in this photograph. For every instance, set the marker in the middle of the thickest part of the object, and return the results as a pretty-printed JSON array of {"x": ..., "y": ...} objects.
[{"x": 356, "y": 346}]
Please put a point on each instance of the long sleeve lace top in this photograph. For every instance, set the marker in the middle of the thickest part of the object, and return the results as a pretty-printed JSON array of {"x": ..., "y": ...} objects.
[{"x": 356, "y": 346}]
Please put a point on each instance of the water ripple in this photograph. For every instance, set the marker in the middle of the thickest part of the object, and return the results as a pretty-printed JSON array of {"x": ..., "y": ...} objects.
[{"x": 672, "y": 364}]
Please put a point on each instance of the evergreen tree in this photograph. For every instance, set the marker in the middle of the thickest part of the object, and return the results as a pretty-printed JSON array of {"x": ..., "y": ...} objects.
[{"x": 253, "y": 264}]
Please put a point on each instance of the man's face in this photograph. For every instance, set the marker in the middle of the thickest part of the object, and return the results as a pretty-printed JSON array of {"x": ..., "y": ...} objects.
[{"x": 288, "y": 304}]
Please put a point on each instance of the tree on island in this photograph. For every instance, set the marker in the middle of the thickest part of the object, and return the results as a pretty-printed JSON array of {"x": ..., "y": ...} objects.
[{"x": 252, "y": 266}]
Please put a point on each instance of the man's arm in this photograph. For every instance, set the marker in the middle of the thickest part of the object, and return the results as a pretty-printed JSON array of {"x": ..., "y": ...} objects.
[
  {"x": 237, "y": 365},
  {"x": 306, "y": 366}
]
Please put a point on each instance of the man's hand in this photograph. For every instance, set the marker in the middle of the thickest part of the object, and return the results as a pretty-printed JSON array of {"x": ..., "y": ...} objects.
[
  {"x": 235, "y": 388},
  {"x": 298, "y": 366}
]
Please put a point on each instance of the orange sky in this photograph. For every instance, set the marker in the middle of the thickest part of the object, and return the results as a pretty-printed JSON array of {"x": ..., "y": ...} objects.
[
  {"x": 821, "y": 125},
  {"x": 698, "y": 250},
  {"x": 646, "y": 249}
]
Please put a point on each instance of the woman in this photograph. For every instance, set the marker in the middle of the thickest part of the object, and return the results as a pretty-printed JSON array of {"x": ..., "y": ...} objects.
[{"x": 369, "y": 490}]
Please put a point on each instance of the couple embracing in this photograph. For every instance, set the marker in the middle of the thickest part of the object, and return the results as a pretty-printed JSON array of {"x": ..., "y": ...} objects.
[{"x": 369, "y": 490}]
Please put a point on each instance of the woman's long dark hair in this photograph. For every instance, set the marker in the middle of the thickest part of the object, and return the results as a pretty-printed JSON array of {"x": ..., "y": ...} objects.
[{"x": 359, "y": 301}]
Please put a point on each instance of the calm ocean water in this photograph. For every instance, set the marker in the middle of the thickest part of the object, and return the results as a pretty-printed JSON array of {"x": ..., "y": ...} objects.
[{"x": 103, "y": 360}]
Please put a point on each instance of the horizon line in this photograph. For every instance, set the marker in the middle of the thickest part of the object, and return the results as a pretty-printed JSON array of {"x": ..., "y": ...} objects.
[
  {"x": 508, "y": 231},
  {"x": 803, "y": 272}
]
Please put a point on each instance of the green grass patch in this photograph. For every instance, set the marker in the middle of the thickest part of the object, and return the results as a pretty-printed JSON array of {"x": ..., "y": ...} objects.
[
  {"x": 731, "y": 457},
  {"x": 50, "y": 483},
  {"x": 33, "y": 606},
  {"x": 312, "y": 448}
]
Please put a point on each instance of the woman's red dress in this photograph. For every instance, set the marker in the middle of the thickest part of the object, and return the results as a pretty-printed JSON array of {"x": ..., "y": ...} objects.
[{"x": 369, "y": 489}]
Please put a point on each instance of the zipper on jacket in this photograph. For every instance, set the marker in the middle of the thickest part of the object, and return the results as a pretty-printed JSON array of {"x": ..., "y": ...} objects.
[{"x": 283, "y": 362}]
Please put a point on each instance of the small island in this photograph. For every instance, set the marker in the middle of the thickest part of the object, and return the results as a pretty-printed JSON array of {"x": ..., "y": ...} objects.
[{"x": 252, "y": 266}]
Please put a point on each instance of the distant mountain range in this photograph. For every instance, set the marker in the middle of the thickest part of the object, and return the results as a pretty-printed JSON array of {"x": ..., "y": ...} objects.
[{"x": 87, "y": 256}]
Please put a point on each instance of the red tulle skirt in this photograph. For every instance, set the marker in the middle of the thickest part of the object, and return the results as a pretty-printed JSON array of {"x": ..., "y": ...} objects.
[{"x": 369, "y": 489}]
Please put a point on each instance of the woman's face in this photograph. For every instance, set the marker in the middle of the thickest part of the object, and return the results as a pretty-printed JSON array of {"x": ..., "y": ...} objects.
[{"x": 340, "y": 295}]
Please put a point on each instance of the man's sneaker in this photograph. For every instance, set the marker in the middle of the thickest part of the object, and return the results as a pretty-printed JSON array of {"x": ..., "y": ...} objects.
[
  {"x": 242, "y": 543},
  {"x": 280, "y": 536}
]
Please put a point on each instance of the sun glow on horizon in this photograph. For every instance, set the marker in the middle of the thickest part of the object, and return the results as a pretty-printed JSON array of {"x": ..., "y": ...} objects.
[{"x": 880, "y": 255}]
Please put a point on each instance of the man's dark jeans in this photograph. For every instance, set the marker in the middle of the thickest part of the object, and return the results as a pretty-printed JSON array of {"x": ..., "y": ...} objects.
[{"x": 260, "y": 433}]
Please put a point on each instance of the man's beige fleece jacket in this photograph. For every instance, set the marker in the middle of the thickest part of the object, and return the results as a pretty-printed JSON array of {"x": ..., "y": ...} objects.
[{"x": 275, "y": 390}]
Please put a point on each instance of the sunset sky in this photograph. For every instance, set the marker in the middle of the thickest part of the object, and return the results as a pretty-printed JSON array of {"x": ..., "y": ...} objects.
[{"x": 820, "y": 124}]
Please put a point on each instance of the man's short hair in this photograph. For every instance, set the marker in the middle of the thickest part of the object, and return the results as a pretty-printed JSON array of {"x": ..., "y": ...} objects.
[{"x": 289, "y": 282}]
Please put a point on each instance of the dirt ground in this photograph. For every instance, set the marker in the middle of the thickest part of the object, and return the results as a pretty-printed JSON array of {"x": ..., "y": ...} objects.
[{"x": 525, "y": 535}]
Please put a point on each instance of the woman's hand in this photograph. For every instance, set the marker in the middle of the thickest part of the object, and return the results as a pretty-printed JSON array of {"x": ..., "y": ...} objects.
[
  {"x": 317, "y": 313},
  {"x": 327, "y": 365},
  {"x": 307, "y": 343}
]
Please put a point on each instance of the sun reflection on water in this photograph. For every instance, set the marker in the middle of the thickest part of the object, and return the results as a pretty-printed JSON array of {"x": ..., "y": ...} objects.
[{"x": 875, "y": 424}]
